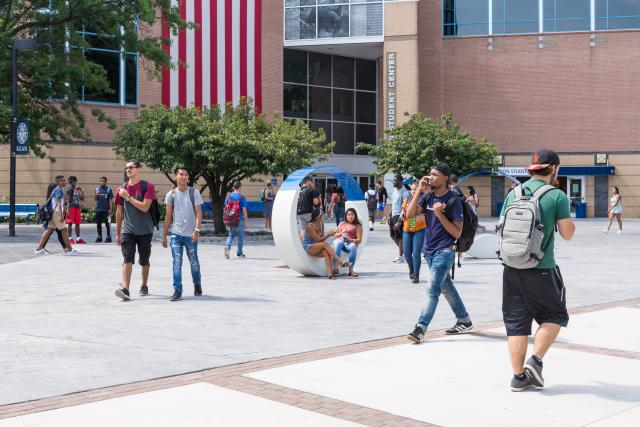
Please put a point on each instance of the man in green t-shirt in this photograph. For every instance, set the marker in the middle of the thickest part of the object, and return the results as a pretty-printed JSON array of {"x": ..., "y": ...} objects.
[{"x": 537, "y": 293}]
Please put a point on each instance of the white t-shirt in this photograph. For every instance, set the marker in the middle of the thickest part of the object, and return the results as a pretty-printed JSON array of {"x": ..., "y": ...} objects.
[{"x": 184, "y": 216}]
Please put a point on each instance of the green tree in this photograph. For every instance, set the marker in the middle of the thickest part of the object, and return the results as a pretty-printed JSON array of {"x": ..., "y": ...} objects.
[
  {"x": 220, "y": 146},
  {"x": 421, "y": 142},
  {"x": 51, "y": 77}
]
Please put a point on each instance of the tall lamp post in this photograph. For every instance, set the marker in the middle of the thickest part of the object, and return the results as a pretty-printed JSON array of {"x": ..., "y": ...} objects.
[{"x": 21, "y": 44}]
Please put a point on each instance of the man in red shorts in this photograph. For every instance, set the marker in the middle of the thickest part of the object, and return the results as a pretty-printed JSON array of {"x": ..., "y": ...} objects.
[{"x": 74, "y": 196}]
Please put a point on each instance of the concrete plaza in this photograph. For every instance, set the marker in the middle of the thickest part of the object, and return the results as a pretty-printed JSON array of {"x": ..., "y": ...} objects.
[{"x": 64, "y": 332}]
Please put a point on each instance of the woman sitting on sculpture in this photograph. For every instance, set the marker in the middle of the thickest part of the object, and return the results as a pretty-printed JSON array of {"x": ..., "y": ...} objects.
[
  {"x": 348, "y": 237},
  {"x": 315, "y": 244}
]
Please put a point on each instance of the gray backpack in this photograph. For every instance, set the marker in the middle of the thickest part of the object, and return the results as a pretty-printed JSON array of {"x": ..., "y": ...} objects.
[{"x": 521, "y": 232}]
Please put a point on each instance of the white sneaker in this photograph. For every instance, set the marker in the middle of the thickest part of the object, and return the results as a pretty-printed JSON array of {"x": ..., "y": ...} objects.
[
  {"x": 72, "y": 252},
  {"x": 398, "y": 260},
  {"x": 605, "y": 231},
  {"x": 619, "y": 231},
  {"x": 41, "y": 252}
]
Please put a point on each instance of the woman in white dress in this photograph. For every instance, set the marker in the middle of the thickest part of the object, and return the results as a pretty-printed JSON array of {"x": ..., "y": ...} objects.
[{"x": 615, "y": 209}]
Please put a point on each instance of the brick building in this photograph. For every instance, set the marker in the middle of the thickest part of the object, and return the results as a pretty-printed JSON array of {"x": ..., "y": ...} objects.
[{"x": 525, "y": 74}]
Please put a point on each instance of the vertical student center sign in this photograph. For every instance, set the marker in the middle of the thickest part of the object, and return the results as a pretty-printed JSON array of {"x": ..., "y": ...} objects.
[{"x": 391, "y": 81}]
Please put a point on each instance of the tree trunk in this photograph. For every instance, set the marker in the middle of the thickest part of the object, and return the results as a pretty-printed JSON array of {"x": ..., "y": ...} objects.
[{"x": 218, "y": 193}]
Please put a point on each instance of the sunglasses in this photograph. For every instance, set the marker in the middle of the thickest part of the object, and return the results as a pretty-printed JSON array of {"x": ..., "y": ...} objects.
[{"x": 131, "y": 167}]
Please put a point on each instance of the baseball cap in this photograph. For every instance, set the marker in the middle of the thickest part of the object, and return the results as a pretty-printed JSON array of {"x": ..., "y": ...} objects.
[
  {"x": 443, "y": 168},
  {"x": 543, "y": 159}
]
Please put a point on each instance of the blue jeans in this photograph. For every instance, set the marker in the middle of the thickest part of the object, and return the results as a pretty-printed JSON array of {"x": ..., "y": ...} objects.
[
  {"x": 412, "y": 243},
  {"x": 352, "y": 248},
  {"x": 177, "y": 245},
  {"x": 440, "y": 263},
  {"x": 339, "y": 214},
  {"x": 237, "y": 232}
]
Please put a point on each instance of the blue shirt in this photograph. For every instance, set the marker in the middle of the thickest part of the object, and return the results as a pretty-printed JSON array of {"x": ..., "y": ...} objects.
[
  {"x": 235, "y": 196},
  {"x": 436, "y": 237},
  {"x": 398, "y": 196},
  {"x": 104, "y": 194}
]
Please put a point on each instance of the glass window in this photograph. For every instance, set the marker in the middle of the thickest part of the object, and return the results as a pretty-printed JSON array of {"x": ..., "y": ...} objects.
[
  {"x": 333, "y": 21},
  {"x": 295, "y": 66},
  {"x": 319, "y": 103},
  {"x": 326, "y": 126},
  {"x": 110, "y": 61},
  {"x": 366, "y": 74},
  {"x": 295, "y": 101},
  {"x": 366, "y": 20},
  {"x": 515, "y": 16},
  {"x": 365, "y": 107},
  {"x": 366, "y": 134},
  {"x": 343, "y": 105},
  {"x": 567, "y": 15},
  {"x": 343, "y": 136},
  {"x": 343, "y": 72},
  {"x": 466, "y": 17},
  {"x": 300, "y": 23},
  {"x": 319, "y": 69},
  {"x": 289, "y": 3},
  {"x": 131, "y": 79},
  {"x": 617, "y": 14}
]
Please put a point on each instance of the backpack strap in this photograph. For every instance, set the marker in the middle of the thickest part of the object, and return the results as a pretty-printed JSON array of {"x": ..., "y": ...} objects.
[
  {"x": 192, "y": 196},
  {"x": 143, "y": 189},
  {"x": 543, "y": 190},
  {"x": 518, "y": 192}
]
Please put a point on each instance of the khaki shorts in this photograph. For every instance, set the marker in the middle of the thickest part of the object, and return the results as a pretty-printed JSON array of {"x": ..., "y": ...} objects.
[{"x": 56, "y": 222}]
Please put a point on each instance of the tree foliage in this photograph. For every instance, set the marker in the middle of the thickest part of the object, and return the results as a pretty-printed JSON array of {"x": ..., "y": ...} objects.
[
  {"x": 51, "y": 78},
  {"x": 421, "y": 142},
  {"x": 220, "y": 145}
]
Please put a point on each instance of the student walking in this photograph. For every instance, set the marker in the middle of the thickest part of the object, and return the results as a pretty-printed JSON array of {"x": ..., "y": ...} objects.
[
  {"x": 473, "y": 200},
  {"x": 268, "y": 196},
  {"x": 413, "y": 235},
  {"x": 236, "y": 219},
  {"x": 45, "y": 224},
  {"x": 308, "y": 200},
  {"x": 382, "y": 200},
  {"x": 104, "y": 205},
  {"x": 184, "y": 215},
  {"x": 615, "y": 210},
  {"x": 58, "y": 209},
  {"x": 444, "y": 225},
  {"x": 74, "y": 196},
  {"x": 314, "y": 243},
  {"x": 396, "y": 221},
  {"x": 134, "y": 226},
  {"x": 348, "y": 238},
  {"x": 532, "y": 286},
  {"x": 372, "y": 204},
  {"x": 338, "y": 204}
]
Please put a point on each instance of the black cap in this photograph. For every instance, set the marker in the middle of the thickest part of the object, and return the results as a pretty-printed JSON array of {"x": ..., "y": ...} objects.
[
  {"x": 443, "y": 168},
  {"x": 543, "y": 159}
]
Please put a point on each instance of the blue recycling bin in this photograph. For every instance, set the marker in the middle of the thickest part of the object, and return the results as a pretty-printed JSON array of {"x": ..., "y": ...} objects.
[
  {"x": 581, "y": 210},
  {"x": 499, "y": 207}
]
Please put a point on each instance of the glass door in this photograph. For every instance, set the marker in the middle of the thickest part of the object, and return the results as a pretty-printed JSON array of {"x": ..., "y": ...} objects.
[{"x": 575, "y": 191}]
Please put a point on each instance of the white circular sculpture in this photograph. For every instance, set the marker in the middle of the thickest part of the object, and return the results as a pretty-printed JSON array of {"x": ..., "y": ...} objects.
[
  {"x": 285, "y": 225},
  {"x": 484, "y": 246}
]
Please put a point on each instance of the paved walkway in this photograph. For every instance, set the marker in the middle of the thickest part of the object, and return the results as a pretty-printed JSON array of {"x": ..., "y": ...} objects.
[{"x": 63, "y": 332}]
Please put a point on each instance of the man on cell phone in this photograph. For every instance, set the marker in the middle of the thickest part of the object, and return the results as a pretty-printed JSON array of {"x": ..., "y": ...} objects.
[{"x": 444, "y": 227}]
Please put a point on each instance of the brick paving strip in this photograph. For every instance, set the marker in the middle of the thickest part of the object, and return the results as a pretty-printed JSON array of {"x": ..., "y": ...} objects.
[{"x": 231, "y": 377}]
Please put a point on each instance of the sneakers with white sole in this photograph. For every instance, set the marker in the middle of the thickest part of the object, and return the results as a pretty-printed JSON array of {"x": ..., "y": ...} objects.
[{"x": 534, "y": 371}]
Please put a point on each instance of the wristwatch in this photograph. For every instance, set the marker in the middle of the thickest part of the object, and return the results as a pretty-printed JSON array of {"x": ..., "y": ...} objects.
[
  {"x": 127, "y": 198},
  {"x": 197, "y": 230}
]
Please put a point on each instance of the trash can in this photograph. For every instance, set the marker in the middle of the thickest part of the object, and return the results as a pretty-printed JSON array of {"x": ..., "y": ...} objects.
[
  {"x": 581, "y": 210},
  {"x": 499, "y": 207}
]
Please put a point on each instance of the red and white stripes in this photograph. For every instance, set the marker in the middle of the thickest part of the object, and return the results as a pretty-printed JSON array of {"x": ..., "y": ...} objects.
[{"x": 222, "y": 55}]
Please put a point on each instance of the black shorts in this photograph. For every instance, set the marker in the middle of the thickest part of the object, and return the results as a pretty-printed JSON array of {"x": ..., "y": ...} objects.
[
  {"x": 372, "y": 215},
  {"x": 128, "y": 245},
  {"x": 532, "y": 294},
  {"x": 395, "y": 231}
]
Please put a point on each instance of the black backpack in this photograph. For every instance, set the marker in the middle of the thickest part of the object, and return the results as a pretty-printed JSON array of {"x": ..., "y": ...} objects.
[
  {"x": 469, "y": 227},
  {"x": 305, "y": 205},
  {"x": 45, "y": 213},
  {"x": 154, "y": 209},
  {"x": 372, "y": 201}
]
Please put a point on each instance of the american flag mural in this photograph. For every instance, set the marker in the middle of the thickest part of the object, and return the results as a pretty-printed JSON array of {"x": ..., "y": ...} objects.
[{"x": 223, "y": 54}]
